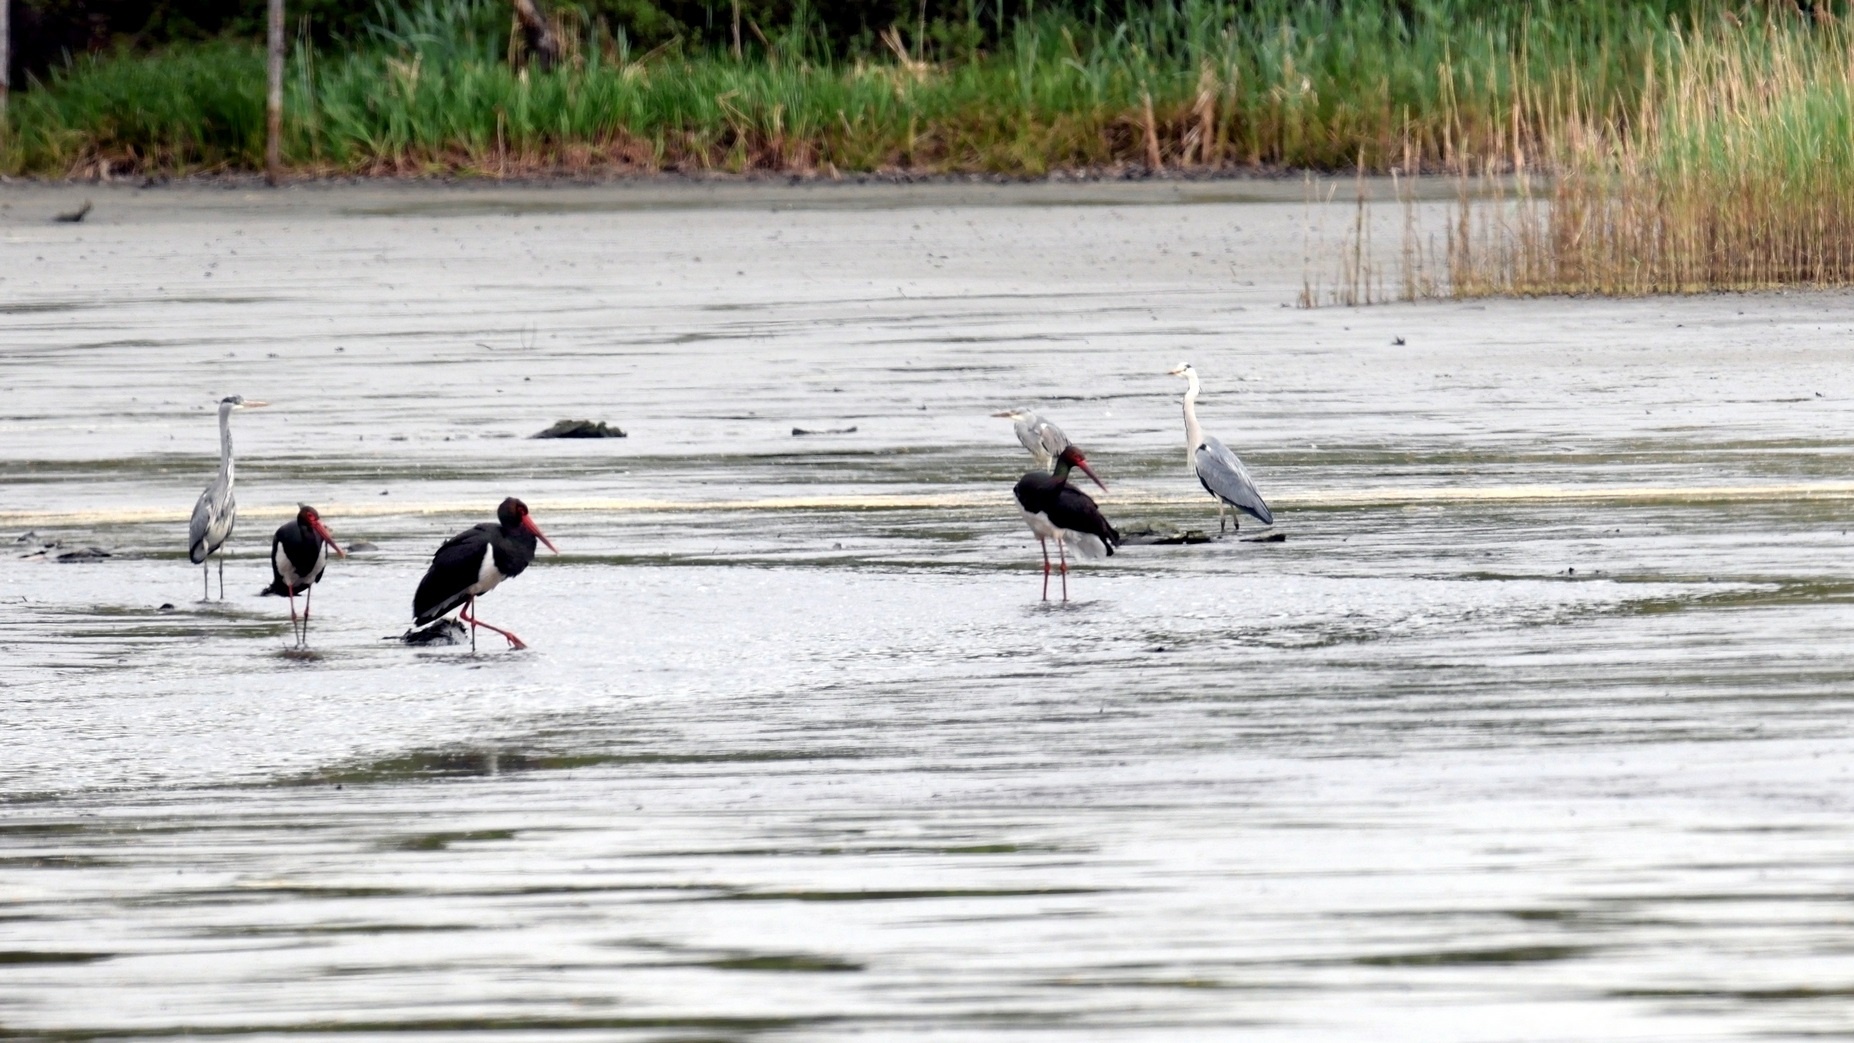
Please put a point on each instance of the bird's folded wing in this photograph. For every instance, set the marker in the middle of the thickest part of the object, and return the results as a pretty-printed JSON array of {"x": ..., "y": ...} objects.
[
  {"x": 1227, "y": 479},
  {"x": 199, "y": 527}
]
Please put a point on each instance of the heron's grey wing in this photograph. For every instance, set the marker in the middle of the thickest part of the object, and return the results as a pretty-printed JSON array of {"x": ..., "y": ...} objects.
[
  {"x": 1228, "y": 480},
  {"x": 1050, "y": 437},
  {"x": 200, "y": 527},
  {"x": 1025, "y": 426}
]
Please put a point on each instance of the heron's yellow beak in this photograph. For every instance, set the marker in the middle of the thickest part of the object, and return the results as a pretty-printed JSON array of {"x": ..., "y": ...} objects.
[{"x": 252, "y": 405}]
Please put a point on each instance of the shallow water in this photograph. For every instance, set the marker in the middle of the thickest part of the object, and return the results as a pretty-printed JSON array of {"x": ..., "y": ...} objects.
[{"x": 1534, "y": 728}]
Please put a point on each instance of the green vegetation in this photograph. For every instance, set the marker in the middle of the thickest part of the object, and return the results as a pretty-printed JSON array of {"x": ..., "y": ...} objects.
[
  {"x": 1736, "y": 174},
  {"x": 1685, "y": 145},
  {"x": 1412, "y": 84}
]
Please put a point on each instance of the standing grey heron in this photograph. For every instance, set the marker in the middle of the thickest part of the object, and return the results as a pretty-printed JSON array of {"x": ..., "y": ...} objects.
[
  {"x": 1044, "y": 439},
  {"x": 1221, "y": 473},
  {"x": 217, "y": 509}
]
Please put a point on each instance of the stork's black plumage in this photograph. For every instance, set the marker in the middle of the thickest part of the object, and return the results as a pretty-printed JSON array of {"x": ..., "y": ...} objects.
[
  {"x": 474, "y": 561},
  {"x": 298, "y": 555},
  {"x": 1056, "y": 510}
]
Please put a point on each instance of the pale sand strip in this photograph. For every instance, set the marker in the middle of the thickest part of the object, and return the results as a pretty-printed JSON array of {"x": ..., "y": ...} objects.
[{"x": 1377, "y": 497}]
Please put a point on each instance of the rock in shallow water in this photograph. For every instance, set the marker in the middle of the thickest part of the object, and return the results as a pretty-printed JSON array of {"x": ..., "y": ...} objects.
[{"x": 581, "y": 429}]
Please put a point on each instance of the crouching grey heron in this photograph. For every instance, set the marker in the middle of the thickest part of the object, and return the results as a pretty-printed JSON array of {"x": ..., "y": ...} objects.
[
  {"x": 1221, "y": 473},
  {"x": 217, "y": 508},
  {"x": 1044, "y": 439}
]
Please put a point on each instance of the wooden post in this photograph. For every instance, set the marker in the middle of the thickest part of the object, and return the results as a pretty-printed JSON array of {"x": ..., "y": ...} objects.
[{"x": 273, "y": 132}]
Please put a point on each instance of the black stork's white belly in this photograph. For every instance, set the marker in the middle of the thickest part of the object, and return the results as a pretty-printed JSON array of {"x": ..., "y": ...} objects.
[{"x": 287, "y": 571}]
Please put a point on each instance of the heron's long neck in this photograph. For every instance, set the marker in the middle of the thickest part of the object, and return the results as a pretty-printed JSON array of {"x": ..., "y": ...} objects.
[
  {"x": 225, "y": 444},
  {"x": 1194, "y": 435}
]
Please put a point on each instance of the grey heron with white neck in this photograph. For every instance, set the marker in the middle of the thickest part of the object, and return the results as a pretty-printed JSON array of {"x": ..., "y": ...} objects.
[
  {"x": 217, "y": 509},
  {"x": 1217, "y": 468},
  {"x": 1044, "y": 439}
]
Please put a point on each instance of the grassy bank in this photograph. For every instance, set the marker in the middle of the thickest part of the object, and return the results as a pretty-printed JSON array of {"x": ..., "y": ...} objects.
[{"x": 1209, "y": 84}]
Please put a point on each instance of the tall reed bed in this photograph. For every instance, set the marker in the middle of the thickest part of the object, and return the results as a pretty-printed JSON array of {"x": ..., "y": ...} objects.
[
  {"x": 1736, "y": 174},
  {"x": 1201, "y": 84}
]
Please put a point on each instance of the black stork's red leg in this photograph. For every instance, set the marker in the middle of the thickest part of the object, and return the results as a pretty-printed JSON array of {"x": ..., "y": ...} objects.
[
  {"x": 514, "y": 642},
  {"x": 1045, "y": 544},
  {"x": 1063, "y": 556}
]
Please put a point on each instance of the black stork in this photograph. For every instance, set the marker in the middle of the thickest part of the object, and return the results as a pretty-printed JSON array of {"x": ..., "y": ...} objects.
[
  {"x": 1056, "y": 510},
  {"x": 473, "y": 562},
  {"x": 298, "y": 554}
]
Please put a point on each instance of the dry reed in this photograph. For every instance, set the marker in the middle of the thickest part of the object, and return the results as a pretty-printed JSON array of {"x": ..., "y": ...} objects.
[{"x": 1736, "y": 174}]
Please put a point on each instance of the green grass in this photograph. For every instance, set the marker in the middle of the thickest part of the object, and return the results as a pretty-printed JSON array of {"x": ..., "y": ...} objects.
[{"x": 1430, "y": 84}]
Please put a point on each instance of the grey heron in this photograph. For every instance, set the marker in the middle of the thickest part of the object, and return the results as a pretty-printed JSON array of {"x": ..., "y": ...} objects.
[
  {"x": 1056, "y": 510},
  {"x": 1221, "y": 473},
  {"x": 217, "y": 508},
  {"x": 1044, "y": 439}
]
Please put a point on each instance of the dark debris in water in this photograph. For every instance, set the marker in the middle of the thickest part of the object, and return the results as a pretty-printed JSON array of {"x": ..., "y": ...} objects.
[
  {"x": 443, "y": 841},
  {"x": 55, "y": 550},
  {"x": 465, "y": 763},
  {"x": 801, "y": 432},
  {"x": 582, "y": 429},
  {"x": 799, "y": 962},
  {"x": 1151, "y": 534},
  {"x": 1459, "y": 957},
  {"x": 18, "y": 956}
]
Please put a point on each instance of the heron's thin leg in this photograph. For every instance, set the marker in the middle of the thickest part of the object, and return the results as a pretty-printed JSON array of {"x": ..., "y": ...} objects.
[
  {"x": 1221, "y": 527},
  {"x": 514, "y": 642},
  {"x": 1045, "y": 544},
  {"x": 205, "y": 581},
  {"x": 1063, "y": 556},
  {"x": 222, "y": 575}
]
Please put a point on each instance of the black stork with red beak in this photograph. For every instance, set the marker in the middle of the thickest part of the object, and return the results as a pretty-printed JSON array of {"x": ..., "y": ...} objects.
[
  {"x": 1056, "y": 510},
  {"x": 473, "y": 562},
  {"x": 298, "y": 554}
]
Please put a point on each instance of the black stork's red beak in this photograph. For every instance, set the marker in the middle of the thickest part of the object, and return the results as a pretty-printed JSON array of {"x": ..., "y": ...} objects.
[
  {"x": 527, "y": 522},
  {"x": 322, "y": 531},
  {"x": 1089, "y": 471}
]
